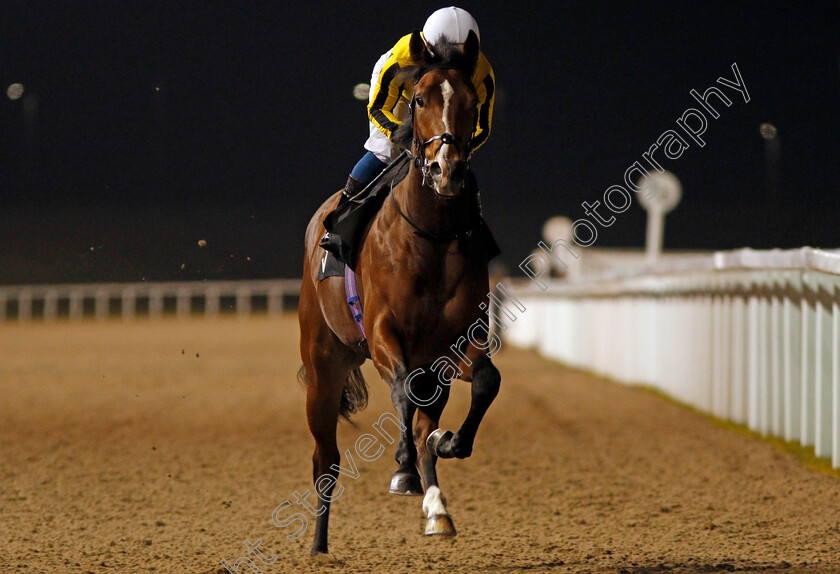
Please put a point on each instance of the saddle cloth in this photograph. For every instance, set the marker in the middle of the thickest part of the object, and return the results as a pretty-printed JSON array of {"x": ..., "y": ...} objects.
[{"x": 330, "y": 266}]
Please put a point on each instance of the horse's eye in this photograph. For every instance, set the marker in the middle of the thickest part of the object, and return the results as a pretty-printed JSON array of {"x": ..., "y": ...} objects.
[{"x": 420, "y": 102}]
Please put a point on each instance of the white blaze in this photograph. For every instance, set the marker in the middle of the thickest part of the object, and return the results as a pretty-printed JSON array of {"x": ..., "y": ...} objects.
[{"x": 447, "y": 91}]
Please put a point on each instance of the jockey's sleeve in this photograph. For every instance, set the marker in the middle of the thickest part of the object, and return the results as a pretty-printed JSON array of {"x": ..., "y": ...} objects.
[
  {"x": 387, "y": 93},
  {"x": 485, "y": 86},
  {"x": 390, "y": 86}
]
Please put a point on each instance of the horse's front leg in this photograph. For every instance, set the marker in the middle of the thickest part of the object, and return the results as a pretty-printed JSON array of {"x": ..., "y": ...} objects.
[
  {"x": 406, "y": 481},
  {"x": 389, "y": 360},
  {"x": 486, "y": 381},
  {"x": 438, "y": 520}
]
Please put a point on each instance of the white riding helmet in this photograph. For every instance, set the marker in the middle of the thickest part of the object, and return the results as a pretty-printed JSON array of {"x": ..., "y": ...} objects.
[{"x": 451, "y": 23}]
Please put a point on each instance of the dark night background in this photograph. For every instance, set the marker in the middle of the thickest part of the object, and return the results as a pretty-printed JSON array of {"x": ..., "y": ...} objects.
[{"x": 103, "y": 177}]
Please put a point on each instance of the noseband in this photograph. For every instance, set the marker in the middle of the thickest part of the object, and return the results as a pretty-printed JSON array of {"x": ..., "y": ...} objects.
[{"x": 420, "y": 160}]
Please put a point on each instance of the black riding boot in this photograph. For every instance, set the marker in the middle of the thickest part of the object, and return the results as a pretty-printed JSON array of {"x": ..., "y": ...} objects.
[{"x": 351, "y": 189}]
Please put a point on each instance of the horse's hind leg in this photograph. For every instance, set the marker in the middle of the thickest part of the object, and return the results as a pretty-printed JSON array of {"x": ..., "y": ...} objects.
[
  {"x": 434, "y": 503},
  {"x": 323, "y": 398},
  {"x": 327, "y": 363}
]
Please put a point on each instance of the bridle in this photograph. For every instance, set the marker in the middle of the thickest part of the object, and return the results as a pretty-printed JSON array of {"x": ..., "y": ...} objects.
[{"x": 420, "y": 160}]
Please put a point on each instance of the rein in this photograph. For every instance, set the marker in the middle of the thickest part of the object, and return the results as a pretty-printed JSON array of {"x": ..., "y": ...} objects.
[{"x": 420, "y": 232}]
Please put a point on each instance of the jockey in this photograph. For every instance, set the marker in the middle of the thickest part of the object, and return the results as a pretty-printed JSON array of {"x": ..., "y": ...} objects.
[{"x": 390, "y": 95}]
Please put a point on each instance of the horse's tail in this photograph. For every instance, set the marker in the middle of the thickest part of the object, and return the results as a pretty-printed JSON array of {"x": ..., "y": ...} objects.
[
  {"x": 354, "y": 395},
  {"x": 303, "y": 377}
]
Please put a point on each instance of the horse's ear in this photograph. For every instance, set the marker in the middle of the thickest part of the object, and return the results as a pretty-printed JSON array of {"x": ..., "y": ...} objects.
[
  {"x": 471, "y": 50},
  {"x": 417, "y": 49}
]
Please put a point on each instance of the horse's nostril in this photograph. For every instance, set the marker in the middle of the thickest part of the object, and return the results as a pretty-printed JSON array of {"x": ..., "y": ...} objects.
[
  {"x": 435, "y": 169},
  {"x": 459, "y": 171}
]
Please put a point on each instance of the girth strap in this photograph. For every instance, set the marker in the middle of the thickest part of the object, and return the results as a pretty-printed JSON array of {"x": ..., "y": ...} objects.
[{"x": 355, "y": 304}]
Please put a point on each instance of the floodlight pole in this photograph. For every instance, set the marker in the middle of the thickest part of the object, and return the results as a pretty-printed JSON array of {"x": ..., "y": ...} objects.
[{"x": 655, "y": 234}]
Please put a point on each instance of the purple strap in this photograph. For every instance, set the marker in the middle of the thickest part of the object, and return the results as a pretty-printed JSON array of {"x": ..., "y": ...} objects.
[{"x": 353, "y": 299}]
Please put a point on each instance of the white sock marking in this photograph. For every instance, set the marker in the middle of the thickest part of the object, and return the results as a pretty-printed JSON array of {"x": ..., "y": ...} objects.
[{"x": 434, "y": 504}]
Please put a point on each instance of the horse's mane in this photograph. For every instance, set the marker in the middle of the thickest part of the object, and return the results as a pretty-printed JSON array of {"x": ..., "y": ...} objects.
[{"x": 446, "y": 55}]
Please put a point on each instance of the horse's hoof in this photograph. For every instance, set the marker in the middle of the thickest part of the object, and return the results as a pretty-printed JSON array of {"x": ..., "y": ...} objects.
[
  {"x": 406, "y": 484},
  {"x": 438, "y": 438},
  {"x": 440, "y": 525}
]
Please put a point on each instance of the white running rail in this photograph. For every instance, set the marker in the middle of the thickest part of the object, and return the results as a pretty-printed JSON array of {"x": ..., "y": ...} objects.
[
  {"x": 129, "y": 300},
  {"x": 748, "y": 336}
]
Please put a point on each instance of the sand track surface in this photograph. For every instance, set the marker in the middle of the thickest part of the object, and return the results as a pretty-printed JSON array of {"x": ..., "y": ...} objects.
[{"x": 161, "y": 446}]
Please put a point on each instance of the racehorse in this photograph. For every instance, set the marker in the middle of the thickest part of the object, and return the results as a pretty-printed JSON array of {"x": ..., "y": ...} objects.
[{"x": 422, "y": 279}]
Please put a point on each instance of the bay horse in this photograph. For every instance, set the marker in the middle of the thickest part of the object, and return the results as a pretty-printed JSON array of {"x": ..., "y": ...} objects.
[{"x": 422, "y": 279}]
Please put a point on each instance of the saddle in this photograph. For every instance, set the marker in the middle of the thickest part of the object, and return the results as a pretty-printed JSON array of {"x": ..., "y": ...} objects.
[{"x": 348, "y": 221}]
